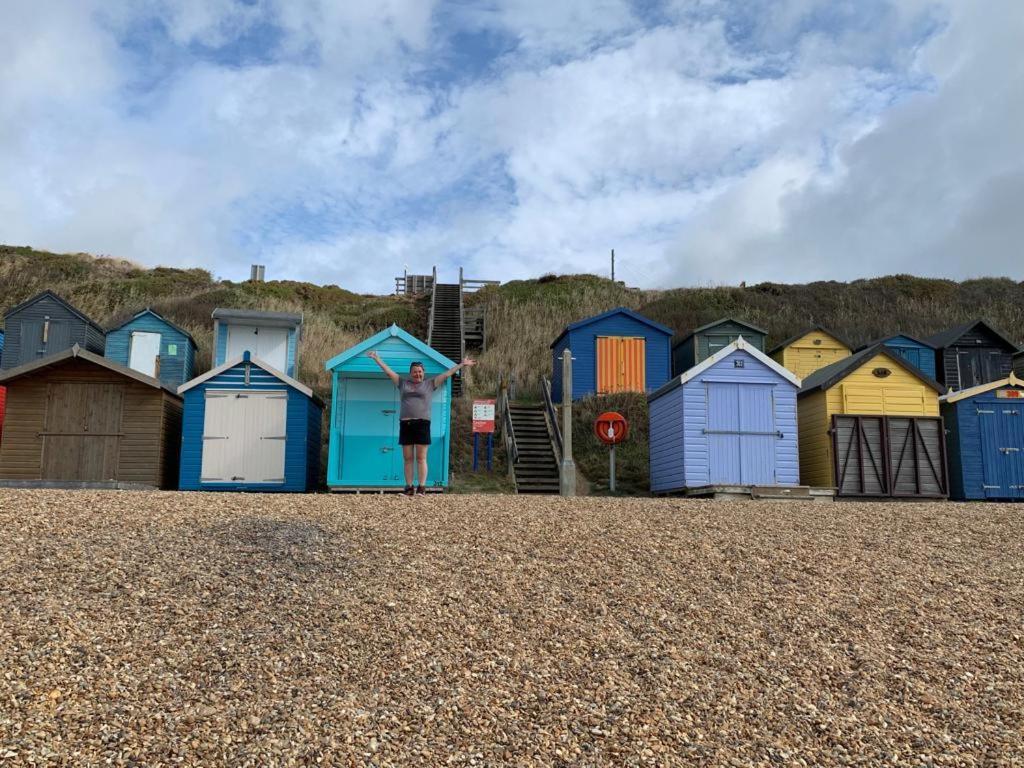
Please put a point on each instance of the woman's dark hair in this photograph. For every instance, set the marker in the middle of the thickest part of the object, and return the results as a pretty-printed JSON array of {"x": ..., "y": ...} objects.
[{"x": 416, "y": 363}]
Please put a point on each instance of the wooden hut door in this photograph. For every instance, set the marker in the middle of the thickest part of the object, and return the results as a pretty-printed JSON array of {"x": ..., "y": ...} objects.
[
  {"x": 82, "y": 436},
  {"x": 621, "y": 364},
  {"x": 917, "y": 458},
  {"x": 1002, "y": 449},
  {"x": 742, "y": 436},
  {"x": 861, "y": 461},
  {"x": 144, "y": 352}
]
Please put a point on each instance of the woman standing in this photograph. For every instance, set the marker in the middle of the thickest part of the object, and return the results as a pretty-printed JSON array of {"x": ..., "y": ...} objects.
[{"x": 417, "y": 392}]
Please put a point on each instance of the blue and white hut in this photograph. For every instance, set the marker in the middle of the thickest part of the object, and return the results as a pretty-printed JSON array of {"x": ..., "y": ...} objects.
[
  {"x": 151, "y": 344},
  {"x": 272, "y": 337}
]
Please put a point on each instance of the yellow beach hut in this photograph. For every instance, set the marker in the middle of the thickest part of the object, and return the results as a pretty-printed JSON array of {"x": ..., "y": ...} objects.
[
  {"x": 810, "y": 350},
  {"x": 869, "y": 426}
]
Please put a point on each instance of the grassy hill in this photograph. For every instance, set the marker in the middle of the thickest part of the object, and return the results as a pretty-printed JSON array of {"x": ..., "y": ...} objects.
[{"x": 523, "y": 317}]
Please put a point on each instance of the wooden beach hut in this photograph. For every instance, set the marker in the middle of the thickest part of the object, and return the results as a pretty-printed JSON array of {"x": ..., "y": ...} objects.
[
  {"x": 985, "y": 440},
  {"x": 701, "y": 343},
  {"x": 918, "y": 353},
  {"x": 870, "y": 426},
  {"x": 364, "y": 453},
  {"x": 78, "y": 419},
  {"x": 44, "y": 325},
  {"x": 3, "y": 391},
  {"x": 971, "y": 354},
  {"x": 153, "y": 345},
  {"x": 616, "y": 351},
  {"x": 272, "y": 337},
  {"x": 731, "y": 420},
  {"x": 810, "y": 350},
  {"x": 1018, "y": 364},
  {"x": 249, "y": 427}
]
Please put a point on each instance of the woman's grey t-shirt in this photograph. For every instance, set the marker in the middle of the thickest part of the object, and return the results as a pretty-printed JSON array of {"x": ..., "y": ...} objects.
[{"x": 416, "y": 398}]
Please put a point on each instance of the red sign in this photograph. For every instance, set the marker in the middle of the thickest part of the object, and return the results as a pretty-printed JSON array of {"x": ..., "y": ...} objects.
[
  {"x": 483, "y": 415},
  {"x": 611, "y": 427},
  {"x": 1010, "y": 393}
]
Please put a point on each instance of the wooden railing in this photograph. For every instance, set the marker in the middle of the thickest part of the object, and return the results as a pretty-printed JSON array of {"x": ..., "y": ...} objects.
[
  {"x": 508, "y": 433},
  {"x": 552, "y": 416},
  {"x": 413, "y": 285},
  {"x": 471, "y": 286},
  {"x": 433, "y": 298}
]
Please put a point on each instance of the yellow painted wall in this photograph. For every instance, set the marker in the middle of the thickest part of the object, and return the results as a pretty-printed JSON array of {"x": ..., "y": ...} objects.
[
  {"x": 859, "y": 394},
  {"x": 803, "y": 357}
]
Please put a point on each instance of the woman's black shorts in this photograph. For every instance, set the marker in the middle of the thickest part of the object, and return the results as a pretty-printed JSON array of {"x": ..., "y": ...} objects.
[{"x": 414, "y": 432}]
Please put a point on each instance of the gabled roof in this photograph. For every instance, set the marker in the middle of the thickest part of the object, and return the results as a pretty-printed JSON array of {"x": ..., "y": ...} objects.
[
  {"x": 739, "y": 344},
  {"x": 885, "y": 339},
  {"x": 77, "y": 352},
  {"x": 951, "y": 335},
  {"x": 803, "y": 333},
  {"x": 963, "y": 394},
  {"x": 617, "y": 311},
  {"x": 158, "y": 316},
  {"x": 245, "y": 357},
  {"x": 394, "y": 331},
  {"x": 284, "y": 319},
  {"x": 67, "y": 305},
  {"x": 708, "y": 326},
  {"x": 830, "y": 375}
]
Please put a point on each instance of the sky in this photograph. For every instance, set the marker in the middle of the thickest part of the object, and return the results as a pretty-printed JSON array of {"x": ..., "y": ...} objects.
[{"x": 707, "y": 141}]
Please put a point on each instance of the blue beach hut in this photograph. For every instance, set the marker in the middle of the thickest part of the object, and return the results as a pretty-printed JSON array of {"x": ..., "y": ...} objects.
[
  {"x": 272, "y": 337},
  {"x": 729, "y": 420},
  {"x": 249, "y": 427},
  {"x": 919, "y": 354},
  {"x": 153, "y": 345},
  {"x": 616, "y": 351},
  {"x": 364, "y": 453},
  {"x": 985, "y": 440}
]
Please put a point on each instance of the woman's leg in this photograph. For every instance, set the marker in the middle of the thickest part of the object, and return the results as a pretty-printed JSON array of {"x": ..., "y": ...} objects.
[
  {"x": 421, "y": 463},
  {"x": 407, "y": 458}
]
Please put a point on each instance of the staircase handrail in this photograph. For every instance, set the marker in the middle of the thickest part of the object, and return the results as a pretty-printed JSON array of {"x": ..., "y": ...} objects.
[
  {"x": 433, "y": 299},
  {"x": 508, "y": 432},
  {"x": 462, "y": 323},
  {"x": 552, "y": 415}
]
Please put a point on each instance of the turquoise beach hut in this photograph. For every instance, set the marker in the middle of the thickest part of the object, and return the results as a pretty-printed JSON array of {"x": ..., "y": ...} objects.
[{"x": 364, "y": 453}]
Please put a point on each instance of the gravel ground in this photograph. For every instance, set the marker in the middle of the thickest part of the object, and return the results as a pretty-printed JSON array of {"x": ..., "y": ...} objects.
[{"x": 209, "y": 629}]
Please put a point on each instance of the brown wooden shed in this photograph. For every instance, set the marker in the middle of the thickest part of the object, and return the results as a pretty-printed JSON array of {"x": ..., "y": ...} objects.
[{"x": 77, "y": 419}]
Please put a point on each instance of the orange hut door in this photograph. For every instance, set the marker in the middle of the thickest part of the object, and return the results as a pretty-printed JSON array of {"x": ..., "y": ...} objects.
[{"x": 621, "y": 364}]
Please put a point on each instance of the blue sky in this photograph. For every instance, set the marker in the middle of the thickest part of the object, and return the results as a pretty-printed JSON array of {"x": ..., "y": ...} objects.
[{"x": 707, "y": 141}]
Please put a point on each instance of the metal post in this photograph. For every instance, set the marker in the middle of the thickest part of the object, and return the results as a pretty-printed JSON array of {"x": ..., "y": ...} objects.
[
  {"x": 613, "y": 265},
  {"x": 476, "y": 449},
  {"x": 490, "y": 451},
  {"x": 567, "y": 475},
  {"x": 611, "y": 476}
]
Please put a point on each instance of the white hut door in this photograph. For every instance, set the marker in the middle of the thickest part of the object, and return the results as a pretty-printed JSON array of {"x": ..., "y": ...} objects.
[
  {"x": 267, "y": 344},
  {"x": 267, "y": 417},
  {"x": 244, "y": 437},
  {"x": 145, "y": 349}
]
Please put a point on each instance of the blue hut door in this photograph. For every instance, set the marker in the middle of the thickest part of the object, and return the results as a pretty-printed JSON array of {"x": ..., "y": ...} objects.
[
  {"x": 1002, "y": 450},
  {"x": 741, "y": 433},
  {"x": 369, "y": 448},
  {"x": 1013, "y": 423}
]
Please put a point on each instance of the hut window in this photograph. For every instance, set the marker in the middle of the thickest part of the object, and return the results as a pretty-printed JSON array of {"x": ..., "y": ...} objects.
[
  {"x": 817, "y": 342},
  {"x": 46, "y": 329},
  {"x": 172, "y": 350},
  {"x": 881, "y": 372}
]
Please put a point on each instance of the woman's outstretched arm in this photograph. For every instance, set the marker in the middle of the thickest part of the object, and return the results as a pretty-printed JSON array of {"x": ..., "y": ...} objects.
[
  {"x": 384, "y": 367},
  {"x": 439, "y": 379}
]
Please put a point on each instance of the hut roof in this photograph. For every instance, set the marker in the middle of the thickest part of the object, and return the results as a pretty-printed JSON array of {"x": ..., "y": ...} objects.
[
  {"x": 739, "y": 344},
  {"x": 158, "y": 316},
  {"x": 891, "y": 336},
  {"x": 67, "y": 305},
  {"x": 830, "y": 375},
  {"x": 812, "y": 329},
  {"x": 77, "y": 352},
  {"x": 707, "y": 326},
  {"x": 245, "y": 357},
  {"x": 283, "y": 319},
  {"x": 963, "y": 394},
  {"x": 393, "y": 331},
  {"x": 617, "y": 311},
  {"x": 951, "y": 335}
]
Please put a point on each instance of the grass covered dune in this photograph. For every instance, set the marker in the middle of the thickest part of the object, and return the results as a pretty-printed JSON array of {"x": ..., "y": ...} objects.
[{"x": 187, "y": 629}]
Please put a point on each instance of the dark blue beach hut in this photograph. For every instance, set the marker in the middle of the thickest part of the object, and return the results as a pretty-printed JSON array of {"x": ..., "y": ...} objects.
[
  {"x": 616, "y": 351},
  {"x": 728, "y": 421},
  {"x": 971, "y": 354},
  {"x": 44, "y": 325},
  {"x": 249, "y": 427},
  {"x": 918, "y": 353},
  {"x": 1018, "y": 364},
  {"x": 985, "y": 440},
  {"x": 364, "y": 453},
  {"x": 153, "y": 345},
  {"x": 701, "y": 343}
]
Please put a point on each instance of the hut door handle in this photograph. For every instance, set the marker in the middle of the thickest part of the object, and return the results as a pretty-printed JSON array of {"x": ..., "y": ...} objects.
[
  {"x": 385, "y": 449},
  {"x": 387, "y": 410}
]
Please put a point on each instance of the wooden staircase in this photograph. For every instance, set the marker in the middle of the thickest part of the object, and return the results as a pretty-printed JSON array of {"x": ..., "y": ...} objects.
[
  {"x": 446, "y": 327},
  {"x": 536, "y": 471}
]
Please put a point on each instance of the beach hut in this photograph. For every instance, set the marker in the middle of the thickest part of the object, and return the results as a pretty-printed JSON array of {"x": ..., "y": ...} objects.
[
  {"x": 870, "y": 426},
  {"x": 701, "y": 343},
  {"x": 364, "y": 453},
  {"x": 272, "y": 337},
  {"x": 985, "y": 439},
  {"x": 918, "y": 353},
  {"x": 44, "y": 325},
  {"x": 810, "y": 350},
  {"x": 153, "y": 345},
  {"x": 78, "y": 419},
  {"x": 249, "y": 427},
  {"x": 616, "y": 351},
  {"x": 971, "y": 354},
  {"x": 1018, "y": 364},
  {"x": 3, "y": 391},
  {"x": 729, "y": 421}
]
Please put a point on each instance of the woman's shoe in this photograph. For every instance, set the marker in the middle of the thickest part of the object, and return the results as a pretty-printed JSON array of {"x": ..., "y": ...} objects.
[
  {"x": 409, "y": 491},
  {"x": 421, "y": 490}
]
